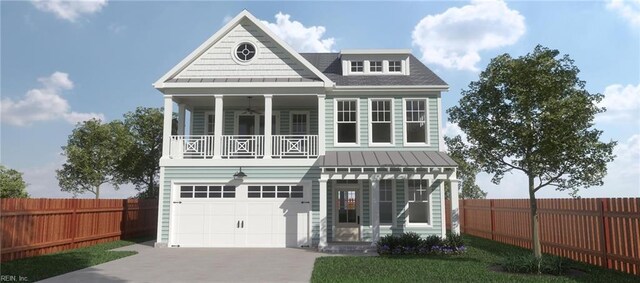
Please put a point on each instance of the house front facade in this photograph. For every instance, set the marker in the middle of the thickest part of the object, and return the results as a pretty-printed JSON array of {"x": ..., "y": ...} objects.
[{"x": 276, "y": 148}]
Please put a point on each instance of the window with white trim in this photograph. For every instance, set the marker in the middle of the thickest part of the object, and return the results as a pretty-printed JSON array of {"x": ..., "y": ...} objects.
[
  {"x": 357, "y": 66},
  {"x": 386, "y": 201},
  {"x": 209, "y": 126},
  {"x": 347, "y": 121},
  {"x": 275, "y": 191},
  {"x": 418, "y": 201},
  {"x": 202, "y": 191},
  {"x": 381, "y": 121},
  {"x": 375, "y": 66},
  {"x": 395, "y": 66},
  {"x": 416, "y": 121}
]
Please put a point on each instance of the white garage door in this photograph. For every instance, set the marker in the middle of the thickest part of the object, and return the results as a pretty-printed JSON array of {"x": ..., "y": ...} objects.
[{"x": 261, "y": 215}]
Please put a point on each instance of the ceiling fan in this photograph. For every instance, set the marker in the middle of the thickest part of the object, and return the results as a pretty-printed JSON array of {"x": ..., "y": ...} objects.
[{"x": 250, "y": 110}]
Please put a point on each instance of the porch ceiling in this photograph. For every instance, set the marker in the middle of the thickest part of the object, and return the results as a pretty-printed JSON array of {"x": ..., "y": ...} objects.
[{"x": 385, "y": 159}]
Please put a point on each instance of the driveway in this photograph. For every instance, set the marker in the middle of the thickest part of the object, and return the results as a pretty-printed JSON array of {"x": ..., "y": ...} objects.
[{"x": 200, "y": 265}]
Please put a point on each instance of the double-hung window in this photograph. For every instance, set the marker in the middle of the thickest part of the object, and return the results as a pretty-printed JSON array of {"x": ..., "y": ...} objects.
[
  {"x": 299, "y": 123},
  {"x": 415, "y": 120},
  {"x": 381, "y": 123},
  {"x": 386, "y": 202},
  {"x": 347, "y": 121},
  {"x": 418, "y": 202},
  {"x": 395, "y": 67}
]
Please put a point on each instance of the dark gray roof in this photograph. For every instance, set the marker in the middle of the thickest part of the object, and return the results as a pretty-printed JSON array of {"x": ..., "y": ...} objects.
[
  {"x": 240, "y": 80},
  {"x": 330, "y": 65},
  {"x": 385, "y": 159}
]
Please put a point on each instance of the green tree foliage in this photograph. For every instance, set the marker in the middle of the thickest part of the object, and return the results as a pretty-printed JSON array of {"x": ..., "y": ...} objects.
[
  {"x": 532, "y": 114},
  {"x": 140, "y": 165},
  {"x": 93, "y": 151},
  {"x": 11, "y": 184},
  {"x": 466, "y": 173}
]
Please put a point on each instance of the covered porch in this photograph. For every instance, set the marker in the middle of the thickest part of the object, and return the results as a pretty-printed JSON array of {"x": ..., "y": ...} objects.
[
  {"x": 367, "y": 194},
  {"x": 246, "y": 126}
]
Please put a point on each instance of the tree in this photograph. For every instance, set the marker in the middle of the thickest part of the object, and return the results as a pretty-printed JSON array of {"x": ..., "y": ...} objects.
[
  {"x": 93, "y": 150},
  {"x": 532, "y": 114},
  {"x": 141, "y": 163},
  {"x": 467, "y": 171},
  {"x": 11, "y": 184}
]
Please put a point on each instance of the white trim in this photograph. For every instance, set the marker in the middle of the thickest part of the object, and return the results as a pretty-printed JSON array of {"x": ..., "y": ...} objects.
[
  {"x": 298, "y": 112},
  {"x": 322, "y": 218},
  {"x": 391, "y": 87},
  {"x": 407, "y": 222},
  {"x": 160, "y": 83},
  {"x": 427, "y": 123},
  {"x": 322, "y": 125},
  {"x": 335, "y": 187},
  {"x": 161, "y": 207},
  {"x": 239, "y": 162},
  {"x": 335, "y": 123},
  {"x": 370, "y": 122},
  {"x": 375, "y": 51},
  {"x": 440, "y": 137},
  {"x": 234, "y": 55}
]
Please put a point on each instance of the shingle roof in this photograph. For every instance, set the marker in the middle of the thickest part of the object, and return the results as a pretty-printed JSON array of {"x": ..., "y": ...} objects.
[
  {"x": 385, "y": 159},
  {"x": 240, "y": 80},
  {"x": 330, "y": 65}
]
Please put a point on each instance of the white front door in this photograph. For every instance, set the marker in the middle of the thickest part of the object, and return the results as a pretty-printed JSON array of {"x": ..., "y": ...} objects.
[
  {"x": 261, "y": 215},
  {"x": 347, "y": 211}
]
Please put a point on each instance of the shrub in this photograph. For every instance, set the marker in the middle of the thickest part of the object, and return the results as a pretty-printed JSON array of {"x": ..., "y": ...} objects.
[
  {"x": 432, "y": 241},
  {"x": 454, "y": 241},
  {"x": 410, "y": 240},
  {"x": 410, "y": 243},
  {"x": 529, "y": 264}
]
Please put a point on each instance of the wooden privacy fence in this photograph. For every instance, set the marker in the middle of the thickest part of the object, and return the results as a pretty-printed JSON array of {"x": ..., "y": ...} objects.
[
  {"x": 32, "y": 227},
  {"x": 603, "y": 232}
]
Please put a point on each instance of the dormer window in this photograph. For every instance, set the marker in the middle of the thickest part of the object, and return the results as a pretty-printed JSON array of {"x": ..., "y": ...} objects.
[
  {"x": 375, "y": 66},
  {"x": 357, "y": 66},
  {"x": 395, "y": 66}
]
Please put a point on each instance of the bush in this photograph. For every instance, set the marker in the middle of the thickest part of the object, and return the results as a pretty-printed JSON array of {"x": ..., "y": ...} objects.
[
  {"x": 411, "y": 243},
  {"x": 529, "y": 264}
]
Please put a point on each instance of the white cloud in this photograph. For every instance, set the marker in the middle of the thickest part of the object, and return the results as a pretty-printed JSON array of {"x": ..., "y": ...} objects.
[
  {"x": 622, "y": 103},
  {"x": 452, "y": 130},
  {"x": 43, "y": 104},
  {"x": 116, "y": 28},
  {"x": 301, "y": 38},
  {"x": 70, "y": 10},
  {"x": 43, "y": 183},
  {"x": 454, "y": 38},
  {"x": 629, "y": 10}
]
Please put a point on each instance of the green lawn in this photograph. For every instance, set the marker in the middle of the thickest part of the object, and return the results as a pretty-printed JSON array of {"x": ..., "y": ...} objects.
[
  {"x": 45, "y": 266},
  {"x": 473, "y": 266}
]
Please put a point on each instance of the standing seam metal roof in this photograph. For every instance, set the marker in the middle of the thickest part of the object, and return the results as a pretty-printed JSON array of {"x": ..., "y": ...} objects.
[{"x": 385, "y": 159}]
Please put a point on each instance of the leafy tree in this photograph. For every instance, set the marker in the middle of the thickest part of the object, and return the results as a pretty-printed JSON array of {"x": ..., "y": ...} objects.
[
  {"x": 140, "y": 165},
  {"x": 93, "y": 151},
  {"x": 467, "y": 171},
  {"x": 532, "y": 114},
  {"x": 11, "y": 184}
]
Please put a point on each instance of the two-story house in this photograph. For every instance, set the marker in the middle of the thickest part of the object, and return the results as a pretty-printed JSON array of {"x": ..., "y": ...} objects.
[{"x": 277, "y": 148}]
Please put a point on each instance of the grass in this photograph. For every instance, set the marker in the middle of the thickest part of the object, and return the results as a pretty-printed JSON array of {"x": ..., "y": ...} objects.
[
  {"x": 40, "y": 267},
  {"x": 472, "y": 266}
]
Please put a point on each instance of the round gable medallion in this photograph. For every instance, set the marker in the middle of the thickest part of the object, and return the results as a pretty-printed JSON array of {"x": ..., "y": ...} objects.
[{"x": 245, "y": 52}]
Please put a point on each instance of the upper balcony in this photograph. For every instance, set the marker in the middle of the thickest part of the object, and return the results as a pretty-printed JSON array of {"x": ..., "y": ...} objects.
[{"x": 244, "y": 127}]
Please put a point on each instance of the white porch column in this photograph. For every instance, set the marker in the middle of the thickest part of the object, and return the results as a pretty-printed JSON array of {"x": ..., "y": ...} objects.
[
  {"x": 268, "y": 113},
  {"x": 321, "y": 124},
  {"x": 181, "y": 118},
  {"x": 166, "y": 129},
  {"x": 323, "y": 214},
  {"x": 455, "y": 210},
  {"x": 217, "y": 127},
  {"x": 375, "y": 208}
]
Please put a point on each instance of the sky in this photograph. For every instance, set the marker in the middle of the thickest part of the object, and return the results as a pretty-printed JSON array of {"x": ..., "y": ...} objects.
[{"x": 64, "y": 62}]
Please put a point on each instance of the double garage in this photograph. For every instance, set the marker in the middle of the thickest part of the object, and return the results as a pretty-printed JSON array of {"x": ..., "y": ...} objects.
[{"x": 243, "y": 215}]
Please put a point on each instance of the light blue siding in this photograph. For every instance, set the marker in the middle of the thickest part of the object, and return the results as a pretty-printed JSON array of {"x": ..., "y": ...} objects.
[{"x": 229, "y": 121}]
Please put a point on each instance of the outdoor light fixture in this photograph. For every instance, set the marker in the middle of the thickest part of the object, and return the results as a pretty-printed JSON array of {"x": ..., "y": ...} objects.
[{"x": 239, "y": 175}]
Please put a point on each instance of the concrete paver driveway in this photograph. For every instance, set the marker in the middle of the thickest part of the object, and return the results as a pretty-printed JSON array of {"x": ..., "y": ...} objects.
[{"x": 200, "y": 265}]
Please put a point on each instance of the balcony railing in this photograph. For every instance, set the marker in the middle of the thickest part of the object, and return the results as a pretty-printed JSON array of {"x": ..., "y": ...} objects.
[{"x": 243, "y": 146}]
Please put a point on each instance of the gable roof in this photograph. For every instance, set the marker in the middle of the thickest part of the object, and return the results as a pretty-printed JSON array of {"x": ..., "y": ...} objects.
[
  {"x": 169, "y": 77},
  {"x": 331, "y": 65}
]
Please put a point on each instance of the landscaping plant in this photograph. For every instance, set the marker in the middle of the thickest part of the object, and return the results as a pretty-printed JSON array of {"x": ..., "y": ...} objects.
[{"x": 411, "y": 243}]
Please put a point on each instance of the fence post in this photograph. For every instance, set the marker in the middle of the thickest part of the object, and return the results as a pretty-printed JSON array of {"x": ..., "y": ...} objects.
[
  {"x": 125, "y": 218},
  {"x": 604, "y": 232},
  {"x": 493, "y": 220},
  {"x": 74, "y": 222}
]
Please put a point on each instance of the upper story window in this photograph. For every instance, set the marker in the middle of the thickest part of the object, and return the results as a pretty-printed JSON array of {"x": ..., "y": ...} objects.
[
  {"x": 375, "y": 66},
  {"x": 299, "y": 123},
  {"x": 415, "y": 130},
  {"x": 395, "y": 66},
  {"x": 347, "y": 121},
  {"x": 357, "y": 66},
  {"x": 245, "y": 52},
  {"x": 380, "y": 128}
]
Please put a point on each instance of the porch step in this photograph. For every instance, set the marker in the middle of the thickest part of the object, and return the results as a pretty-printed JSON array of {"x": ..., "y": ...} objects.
[{"x": 350, "y": 248}]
